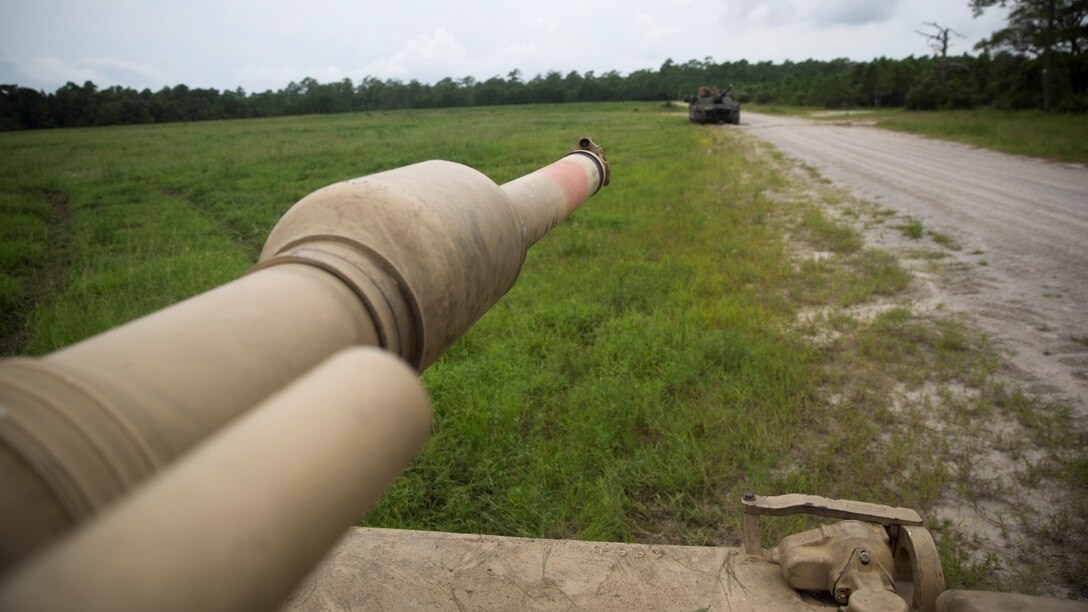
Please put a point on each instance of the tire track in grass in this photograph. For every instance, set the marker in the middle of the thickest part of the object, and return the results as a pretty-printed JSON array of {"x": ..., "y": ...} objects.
[
  {"x": 46, "y": 277},
  {"x": 239, "y": 235}
]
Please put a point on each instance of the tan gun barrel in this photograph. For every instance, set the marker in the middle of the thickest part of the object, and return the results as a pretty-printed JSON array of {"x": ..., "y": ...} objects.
[
  {"x": 235, "y": 524},
  {"x": 406, "y": 260}
]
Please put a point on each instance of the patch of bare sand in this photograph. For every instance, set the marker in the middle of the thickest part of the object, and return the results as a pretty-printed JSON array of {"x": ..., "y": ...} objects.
[{"x": 1004, "y": 504}]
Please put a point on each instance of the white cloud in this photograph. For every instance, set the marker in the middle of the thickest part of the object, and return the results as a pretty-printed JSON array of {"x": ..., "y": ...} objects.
[
  {"x": 758, "y": 12},
  {"x": 49, "y": 69},
  {"x": 551, "y": 27},
  {"x": 268, "y": 76},
  {"x": 428, "y": 56},
  {"x": 849, "y": 12},
  {"x": 265, "y": 44},
  {"x": 783, "y": 13},
  {"x": 110, "y": 65},
  {"x": 277, "y": 76},
  {"x": 520, "y": 56},
  {"x": 328, "y": 74},
  {"x": 649, "y": 29}
]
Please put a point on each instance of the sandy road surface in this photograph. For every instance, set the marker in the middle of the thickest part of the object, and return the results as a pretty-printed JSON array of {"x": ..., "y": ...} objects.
[{"x": 1022, "y": 223}]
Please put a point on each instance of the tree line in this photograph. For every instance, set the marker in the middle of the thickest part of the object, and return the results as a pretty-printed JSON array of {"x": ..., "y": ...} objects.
[{"x": 1037, "y": 61}]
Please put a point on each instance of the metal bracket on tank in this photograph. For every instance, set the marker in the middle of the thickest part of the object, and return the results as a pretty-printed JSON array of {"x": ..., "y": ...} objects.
[
  {"x": 916, "y": 568},
  {"x": 752, "y": 506}
]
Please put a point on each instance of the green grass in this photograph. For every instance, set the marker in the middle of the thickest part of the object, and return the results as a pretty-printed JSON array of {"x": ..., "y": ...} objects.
[
  {"x": 912, "y": 228},
  {"x": 150, "y": 215},
  {"x": 945, "y": 240},
  {"x": 646, "y": 369},
  {"x": 1057, "y": 137}
]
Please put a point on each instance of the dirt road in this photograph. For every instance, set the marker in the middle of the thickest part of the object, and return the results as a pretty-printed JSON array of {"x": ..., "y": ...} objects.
[{"x": 1022, "y": 224}]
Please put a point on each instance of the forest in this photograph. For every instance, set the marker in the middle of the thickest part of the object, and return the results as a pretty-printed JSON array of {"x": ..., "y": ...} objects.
[{"x": 1043, "y": 38}]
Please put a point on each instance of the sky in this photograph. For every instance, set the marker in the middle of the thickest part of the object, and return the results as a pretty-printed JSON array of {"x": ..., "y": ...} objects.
[{"x": 265, "y": 44}]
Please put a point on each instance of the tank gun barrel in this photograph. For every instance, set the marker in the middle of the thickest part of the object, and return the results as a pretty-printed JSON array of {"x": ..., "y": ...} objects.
[
  {"x": 238, "y": 522},
  {"x": 405, "y": 260}
]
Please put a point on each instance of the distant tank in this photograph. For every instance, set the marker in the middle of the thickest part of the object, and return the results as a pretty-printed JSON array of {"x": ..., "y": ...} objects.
[{"x": 713, "y": 106}]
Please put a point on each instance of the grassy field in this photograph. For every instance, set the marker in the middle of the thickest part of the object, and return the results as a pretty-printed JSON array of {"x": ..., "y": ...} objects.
[
  {"x": 647, "y": 368},
  {"x": 1058, "y": 137}
]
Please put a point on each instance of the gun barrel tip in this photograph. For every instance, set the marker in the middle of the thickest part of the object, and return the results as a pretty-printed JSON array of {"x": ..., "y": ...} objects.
[{"x": 586, "y": 145}]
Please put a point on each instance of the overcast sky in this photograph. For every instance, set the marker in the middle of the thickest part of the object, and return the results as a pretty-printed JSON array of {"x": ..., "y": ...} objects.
[{"x": 265, "y": 44}]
